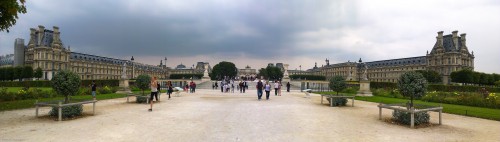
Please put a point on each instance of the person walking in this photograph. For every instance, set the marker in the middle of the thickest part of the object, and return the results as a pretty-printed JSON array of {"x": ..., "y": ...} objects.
[
  {"x": 245, "y": 86},
  {"x": 221, "y": 87},
  {"x": 279, "y": 88},
  {"x": 276, "y": 86},
  {"x": 259, "y": 87},
  {"x": 232, "y": 87},
  {"x": 154, "y": 90},
  {"x": 216, "y": 85},
  {"x": 169, "y": 89},
  {"x": 94, "y": 88},
  {"x": 288, "y": 87},
  {"x": 194, "y": 87},
  {"x": 241, "y": 86},
  {"x": 268, "y": 89},
  {"x": 158, "y": 90}
]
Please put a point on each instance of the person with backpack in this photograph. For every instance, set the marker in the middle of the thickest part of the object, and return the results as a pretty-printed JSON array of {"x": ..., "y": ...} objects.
[{"x": 259, "y": 87}]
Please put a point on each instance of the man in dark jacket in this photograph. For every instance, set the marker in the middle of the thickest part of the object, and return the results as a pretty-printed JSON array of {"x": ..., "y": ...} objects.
[
  {"x": 259, "y": 89},
  {"x": 288, "y": 87}
]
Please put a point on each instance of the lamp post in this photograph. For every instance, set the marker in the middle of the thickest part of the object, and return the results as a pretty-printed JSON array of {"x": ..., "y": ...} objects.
[{"x": 133, "y": 68}]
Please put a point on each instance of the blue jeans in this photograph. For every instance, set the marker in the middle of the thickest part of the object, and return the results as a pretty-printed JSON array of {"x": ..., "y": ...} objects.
[
  {"x": 259, "y": 94},
  {"x": 93, "y": 93}
]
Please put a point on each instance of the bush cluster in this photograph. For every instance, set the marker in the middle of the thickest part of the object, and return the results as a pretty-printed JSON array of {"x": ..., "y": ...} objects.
[
  {"x": 37, "y": 83},
  {"x": 405, "y": 117},
  {"x": 351, "y": 90},
  {"x": 99, "y": 83},
  {"x": 67, "y": 111},
  {"x": 437, "y": 87},
  {"x": 25, "y": 93},
  {"x": 337, "y": 101},
  {"x": 464, "y": 98},
  {"x": 141, "y": 99},
  {"x": 308, "y": 77},
  {"x": 392, "y": 93}
]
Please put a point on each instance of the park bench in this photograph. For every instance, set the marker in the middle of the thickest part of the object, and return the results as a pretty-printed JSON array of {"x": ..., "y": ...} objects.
[
  {"x": 412, "y": 111},
  {"x": 307, "y": 91},
  {"x": 333, "y": 96},
  {"x": 59, "y": 106}
]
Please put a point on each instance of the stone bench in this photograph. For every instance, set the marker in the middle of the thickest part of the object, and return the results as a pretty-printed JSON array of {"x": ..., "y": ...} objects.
[
  {"x": 333, "y": 96},
  {"x": 60, "y": 105},
  {"x": 307, "y": 91}
]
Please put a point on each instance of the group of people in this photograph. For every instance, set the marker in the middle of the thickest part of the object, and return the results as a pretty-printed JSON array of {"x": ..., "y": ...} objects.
[
  {"x": 191, "y": 87},
  {"x": 227, "y": 86},
  {"x": 267, "y": 88}
]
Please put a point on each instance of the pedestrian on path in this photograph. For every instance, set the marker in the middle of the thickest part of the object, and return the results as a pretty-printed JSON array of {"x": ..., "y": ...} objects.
[
  {"x": 268, "y": 89},
  {"x": 170, "y": 89},
  {"x": 94, "y": 88},
  {"x": 276, "y": 84},
  {"x": 259, "y": 87},
  {"x": 158, "y": 90},
  {"x": 154, "y": 90},
  {"x": 288, "y": 87},
  {"x": 279, "y": 88}
]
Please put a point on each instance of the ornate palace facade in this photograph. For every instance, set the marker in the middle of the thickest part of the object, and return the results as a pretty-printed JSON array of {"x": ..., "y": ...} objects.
[
  {"x": 450, "y": 53},
  {"x": 46, "y": 51}
]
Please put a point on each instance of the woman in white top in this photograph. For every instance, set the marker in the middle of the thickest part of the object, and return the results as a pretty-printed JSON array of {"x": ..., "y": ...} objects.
[
  {"x": 154, "y": 91},
  {"x": 267, "y": 88}
]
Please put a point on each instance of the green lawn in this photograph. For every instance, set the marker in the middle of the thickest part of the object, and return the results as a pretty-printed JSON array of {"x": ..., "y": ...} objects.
[
  {"x": 480, "y": 112},
  {"x": 16, "y": 89},
  {"x": 11, "y": 105},
  {"x": 147, "y": 92}
]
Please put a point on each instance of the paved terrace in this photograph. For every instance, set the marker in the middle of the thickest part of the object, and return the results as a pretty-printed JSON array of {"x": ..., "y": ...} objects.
[{"x": 210, "y": 116}]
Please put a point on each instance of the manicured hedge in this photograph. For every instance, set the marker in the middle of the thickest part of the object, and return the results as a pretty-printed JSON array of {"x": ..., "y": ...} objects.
[
  {"x": 46, "y": 83},
  {"x": 436, "y": 87},
  {"x": 185, "y": 76},
  {"x": 308, "y": 77}
]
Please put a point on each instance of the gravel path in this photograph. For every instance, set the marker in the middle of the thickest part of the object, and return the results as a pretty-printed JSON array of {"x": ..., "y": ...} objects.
[{"x": 211, "y": 116}]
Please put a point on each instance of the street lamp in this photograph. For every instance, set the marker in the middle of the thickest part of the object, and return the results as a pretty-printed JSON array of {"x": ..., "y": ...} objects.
[{"x": 133, "y": 68}]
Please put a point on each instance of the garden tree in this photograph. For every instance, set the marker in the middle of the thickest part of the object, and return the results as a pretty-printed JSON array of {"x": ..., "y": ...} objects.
[
  {"x": 66, "y": 83},
  {"x": 8, "y": 13},
  {"x": 142, "y": 82},
  {"x": 462, "y": 76},
  {"x": 271, "y": 73},
  {"x": 27, "y": 72},
  {"x": 2, "y": 72},
  {"x": 337, "y": 84},
  {"x": 476, "y": 78},
  {"x": 38, "y": 73},
  {"x": 496, "y": 77},
  {"x": 222, "y": 69},
  {"x": 430, "y": 75},
  {"x": 18, "y": 73},
  {"x": 9, "y": 73},
  {"x": 497, "y": 83},
  {"x": 413, "y": 85}
]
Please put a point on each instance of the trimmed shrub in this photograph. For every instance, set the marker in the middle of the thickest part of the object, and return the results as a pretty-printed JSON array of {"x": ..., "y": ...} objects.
[
  {"x": 67, "y": 111},
  {"x": 405, "y": 117},
  {"x": 104, "y": 90},
  {"x": 308, "y": 77},
  {"x": 351, "y": 90},
  {"x": 141, "y": 99},
  {"x": 185, "y": 76},
  {"x": 66, "y": 83},
  {"x": 337, "y": 101},
  {"x": 6, "y": 95}
]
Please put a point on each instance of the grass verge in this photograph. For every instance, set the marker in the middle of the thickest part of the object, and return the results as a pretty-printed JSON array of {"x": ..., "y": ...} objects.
[
  {"x": 487, "y": 113},
  {"x": 11, "y": 105}
]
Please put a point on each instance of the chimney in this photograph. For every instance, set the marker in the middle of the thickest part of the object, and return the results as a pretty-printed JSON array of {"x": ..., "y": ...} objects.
[
  {"x": 463, "y": 39},
  {"x": 455, "y": 39},
  {"x": 32, "y": 36},
  {"x": 440, "y": 38},
  {"x": 41, "y": 32}
]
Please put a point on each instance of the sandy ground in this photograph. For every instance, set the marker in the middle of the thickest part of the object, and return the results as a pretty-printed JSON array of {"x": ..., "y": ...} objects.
[{"x": 210, "y": 116}]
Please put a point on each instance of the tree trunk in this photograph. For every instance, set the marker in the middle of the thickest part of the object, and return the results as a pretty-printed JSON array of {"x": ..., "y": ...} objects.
[
  {"x": 411, "y": 101},
  {"x": 66, "y": 99}
]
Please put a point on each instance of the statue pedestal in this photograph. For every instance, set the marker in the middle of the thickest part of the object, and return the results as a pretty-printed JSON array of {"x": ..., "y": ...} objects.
[
  {"x": 287, "y": 79},
  {"x": 364, "y": 88},
  {"x": 123, "y": 87}
]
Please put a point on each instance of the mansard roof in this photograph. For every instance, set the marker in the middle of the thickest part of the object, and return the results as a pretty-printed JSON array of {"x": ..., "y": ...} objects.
[
  {"x": 420, "y": 60},
  {"x": 449, "y": 45}
]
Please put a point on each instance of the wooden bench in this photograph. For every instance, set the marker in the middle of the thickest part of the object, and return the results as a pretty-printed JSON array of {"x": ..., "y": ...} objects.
[
  {"x": 333, "y": 96},
  {"x": 60, "y": 105}
]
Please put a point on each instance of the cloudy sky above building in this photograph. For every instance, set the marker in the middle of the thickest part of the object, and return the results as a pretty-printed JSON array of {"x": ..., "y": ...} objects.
[{"x": 248, "y": 32}]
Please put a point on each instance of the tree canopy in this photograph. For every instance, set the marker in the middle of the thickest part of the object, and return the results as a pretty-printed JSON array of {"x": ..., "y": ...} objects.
[
  {"x": 223, "y": 69},
  {"x": 66, "y": 83},
  {"x": 9, "y": 10},
  {"x": 431, "y": 76},
  {"x": 413, "y": 85},
  {"x": 143, "y": 82},
  {"x": 337, "y": 84},
  {"x": 271, "y": 73}
]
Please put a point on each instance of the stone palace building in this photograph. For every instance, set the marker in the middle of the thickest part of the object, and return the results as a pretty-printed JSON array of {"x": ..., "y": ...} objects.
[{"x": 450, "y": 53}]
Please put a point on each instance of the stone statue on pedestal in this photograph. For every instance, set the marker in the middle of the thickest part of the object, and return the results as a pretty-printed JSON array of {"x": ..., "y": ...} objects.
[{"x": 124, "y": 71}]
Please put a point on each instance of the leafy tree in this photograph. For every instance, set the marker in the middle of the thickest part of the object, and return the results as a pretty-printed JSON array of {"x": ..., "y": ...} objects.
[
  {"x": 9, "y": 73},
  {"x": 431, "y": 76},
  {"x": 27, "y": 72},
  {"x": 2, "y": 74},
  {"x": 66, "y": 83},
  {"x": 8, "y": 13},
  {"x": 337, "y": 84},
  {"x": 222, "y": 69},
  {"x": 271, "y": 73},
  {"x": 143, "y": 82},
  {"x": 18, "y": 72},
  {"x": 38, "y": 73},
  {"x": 413, "y": 85},
  {"x": 462, "y": 76},
  {"x": 497, "y": 83}
]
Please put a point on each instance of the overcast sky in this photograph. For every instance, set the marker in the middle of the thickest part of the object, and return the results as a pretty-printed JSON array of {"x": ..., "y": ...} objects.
[{"x": 259, "y": 32}]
